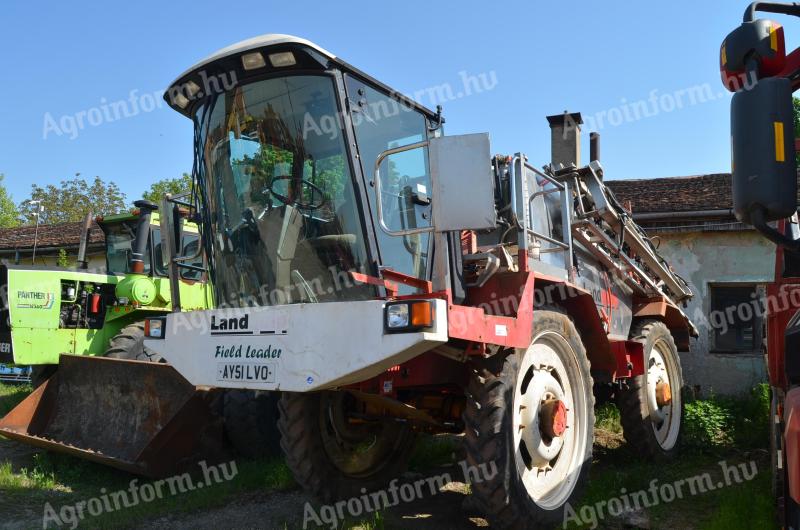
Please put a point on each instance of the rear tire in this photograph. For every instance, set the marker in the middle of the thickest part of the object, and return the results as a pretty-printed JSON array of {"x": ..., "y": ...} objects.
[
  {"x": 251, "y": 422},
  {"x": 529, "y": 474},
  {"x": 332, "y": 459},
  {"x": 653, "y": 428},
  {"x": 129, "y": 344}
]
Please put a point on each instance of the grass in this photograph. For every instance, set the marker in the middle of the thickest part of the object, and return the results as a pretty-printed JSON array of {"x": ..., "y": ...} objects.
[
  {"x": 26, "y": 480},
  {"x": 434, "y": 451},
  {"x": 748, "y": 506},
  {"x": 78, "y": 480},
  {"x": 63, "y": 480},
  {"x": 734, "y": 430},
  {"x": 11, "y": 395},
  {"x": 606, "y": 417},
  {"x": 718, "y": 428}
]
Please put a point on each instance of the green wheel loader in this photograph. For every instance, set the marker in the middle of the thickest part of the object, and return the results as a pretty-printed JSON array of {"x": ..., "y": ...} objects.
[
  {"x": 112, "y": 400},
  {"x": 100, "y": 394},
  {"x": 55, "y": 311}
]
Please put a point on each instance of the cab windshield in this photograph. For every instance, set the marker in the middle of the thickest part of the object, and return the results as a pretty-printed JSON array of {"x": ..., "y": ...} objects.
[{"x": 279, "y": 194}]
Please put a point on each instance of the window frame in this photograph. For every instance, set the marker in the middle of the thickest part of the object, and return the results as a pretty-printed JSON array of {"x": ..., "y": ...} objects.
[{"x": 758, "y": 321}]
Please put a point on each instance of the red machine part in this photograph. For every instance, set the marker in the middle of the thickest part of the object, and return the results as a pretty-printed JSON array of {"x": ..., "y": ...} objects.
[
  {"x": 630, "y": 358},
  {"x": 94, "y": 303},
  {"x": 791, "y": 65},
  {"x": 783, "y": 301},
  {"x": 791, "y": 439}
]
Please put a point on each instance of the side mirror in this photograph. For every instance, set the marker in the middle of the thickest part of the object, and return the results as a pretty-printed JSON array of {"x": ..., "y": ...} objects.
[
  {"x": 462, "y": 194},
  {"x": 763, "y": 152},
  {"x": 760, "y": 40}
]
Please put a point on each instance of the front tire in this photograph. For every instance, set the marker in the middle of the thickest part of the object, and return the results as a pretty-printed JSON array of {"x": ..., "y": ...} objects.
[
  {"x": 128, "y": 344},
  {"x": 251, "y": 422},
  {"x": 533, "y": 463},
  {"x": 651, "y": 408},
  {"x": 332, "y": 458}
]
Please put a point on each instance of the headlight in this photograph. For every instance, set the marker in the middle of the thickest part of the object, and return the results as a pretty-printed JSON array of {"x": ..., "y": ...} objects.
[
  {"x": 154, "y": 328},
  {"x": 412, "y": 315},
  {"x": 397, "y": 316}
]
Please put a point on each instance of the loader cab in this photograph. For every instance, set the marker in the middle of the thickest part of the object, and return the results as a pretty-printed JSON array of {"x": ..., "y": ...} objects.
[
  {"x": 286, "y": 138},
  {"x": 120, "y": 233}
]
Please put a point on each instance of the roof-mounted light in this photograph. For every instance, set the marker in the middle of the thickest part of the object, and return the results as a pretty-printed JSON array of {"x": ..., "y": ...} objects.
[
  {"x": 252, "y": 61},
  {"x": 279, "y": 60},
  {"x": 192, "y": 89},
  {"x": 180, "y": 100}
]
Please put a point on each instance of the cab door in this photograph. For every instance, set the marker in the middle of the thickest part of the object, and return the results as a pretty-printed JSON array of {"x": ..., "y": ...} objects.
[{"x": 382, "y": 122}]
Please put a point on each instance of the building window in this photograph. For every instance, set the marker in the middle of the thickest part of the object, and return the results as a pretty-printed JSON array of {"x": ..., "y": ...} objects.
[{"x": 735, "y": 318}]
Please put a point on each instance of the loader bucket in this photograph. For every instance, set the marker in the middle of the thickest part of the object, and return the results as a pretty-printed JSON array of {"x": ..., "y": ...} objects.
[{"x": 140, "y": 417}]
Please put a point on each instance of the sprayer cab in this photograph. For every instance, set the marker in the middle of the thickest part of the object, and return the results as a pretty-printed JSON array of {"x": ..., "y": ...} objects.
[{"x": 315, "y": 176}]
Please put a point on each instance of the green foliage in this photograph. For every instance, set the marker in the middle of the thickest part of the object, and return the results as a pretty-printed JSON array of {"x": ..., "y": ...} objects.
[
  {"x": 63, "y": 259},
  {"x": 796, "y": 104},
  {"x": 606, "y": 417},
  {"x": 725, "y": 422},
  {"x": 174, "y": 186},
  {"x": 9, "y": 213},
  {"x": 72, "y": 200},
  {"x": 706, "y": 424}
]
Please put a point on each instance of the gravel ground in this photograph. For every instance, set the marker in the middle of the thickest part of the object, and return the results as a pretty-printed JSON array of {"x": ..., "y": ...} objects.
[{"x": 448, "y": 510}]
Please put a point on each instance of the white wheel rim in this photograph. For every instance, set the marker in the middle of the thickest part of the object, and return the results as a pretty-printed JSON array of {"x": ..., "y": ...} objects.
[
  {"x": 548, "y": 469},
  {"x": 665, "y": 420}
]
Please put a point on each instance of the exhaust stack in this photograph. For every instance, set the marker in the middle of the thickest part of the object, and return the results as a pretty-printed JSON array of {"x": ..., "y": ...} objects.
[
  {"x": 146, "y": 209},
  {"x": 83, "y": 263},
  {"x": 594, "y": 147},
  {"x": 565, "y": 139}
]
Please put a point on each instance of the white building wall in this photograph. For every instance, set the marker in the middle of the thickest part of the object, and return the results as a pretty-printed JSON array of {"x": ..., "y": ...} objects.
[{"x": 704, "y": 258}]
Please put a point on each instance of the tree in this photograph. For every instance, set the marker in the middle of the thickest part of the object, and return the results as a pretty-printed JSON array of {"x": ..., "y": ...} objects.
[
  {"x": 72, "y": 200},
  {"x": 174, "y": 186},
  {"x": 9, "y": 213}
]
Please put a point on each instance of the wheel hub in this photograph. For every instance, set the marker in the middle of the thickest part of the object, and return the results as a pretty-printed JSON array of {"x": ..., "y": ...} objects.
[
  {"x": 663, "y": 394},
  {"x": 553, "y": 414}
]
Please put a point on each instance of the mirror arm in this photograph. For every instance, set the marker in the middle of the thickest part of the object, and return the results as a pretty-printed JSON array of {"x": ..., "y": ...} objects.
[
  {"x": 439, "y": 120},
  {"x": 758, "y": 219},
  {"x": 792, "y": 9}
]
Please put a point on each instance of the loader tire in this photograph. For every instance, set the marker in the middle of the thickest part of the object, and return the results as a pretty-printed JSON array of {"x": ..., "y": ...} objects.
[
  {"x": 251, "y": 422},
  {"x": 129, "y": 344},
  {"x": 653, "y": 429},
  {"x": 525, "y": 470},
  {"x": 333, "y": 462}
]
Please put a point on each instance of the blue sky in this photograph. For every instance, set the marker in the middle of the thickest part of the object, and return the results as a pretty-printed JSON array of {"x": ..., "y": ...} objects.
[{"x": 61, "y": 58}]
